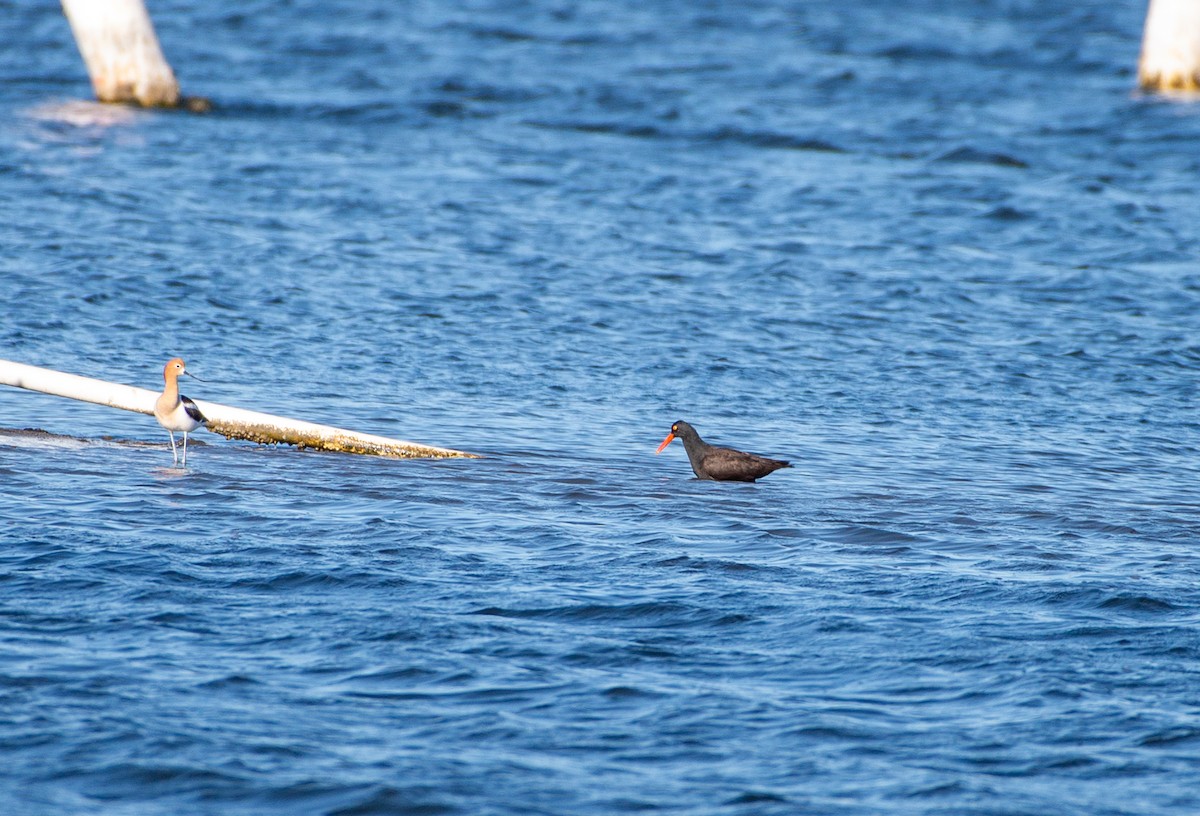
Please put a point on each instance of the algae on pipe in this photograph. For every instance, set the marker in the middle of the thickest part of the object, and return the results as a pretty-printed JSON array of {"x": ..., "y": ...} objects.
[
  {"x": 121, "y": 52},
  {"x": 1170, "y": 59}
]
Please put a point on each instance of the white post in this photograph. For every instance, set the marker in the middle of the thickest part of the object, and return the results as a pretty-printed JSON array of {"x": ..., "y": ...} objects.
[
  {"x": 121, "y": 52},
  {"x": 232, "y": 423},
  {"x": 1171, "y": 46}
]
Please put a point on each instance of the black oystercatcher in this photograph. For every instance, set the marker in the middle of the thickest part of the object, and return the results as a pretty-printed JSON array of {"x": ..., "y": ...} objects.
[{"x": 720, "y": 464}]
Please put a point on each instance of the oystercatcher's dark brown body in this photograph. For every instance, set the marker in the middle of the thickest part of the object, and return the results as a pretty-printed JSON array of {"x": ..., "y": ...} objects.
[{"x": 720, "y": 464}]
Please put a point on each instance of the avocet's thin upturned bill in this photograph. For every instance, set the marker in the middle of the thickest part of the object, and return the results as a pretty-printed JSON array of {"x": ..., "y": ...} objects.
[
  {"x": 720, "y": 464},
  {"x": 173, "y": 410}
]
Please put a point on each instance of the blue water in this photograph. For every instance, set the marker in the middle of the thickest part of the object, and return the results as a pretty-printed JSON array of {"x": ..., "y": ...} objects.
[{"x": 940, "y": 255}]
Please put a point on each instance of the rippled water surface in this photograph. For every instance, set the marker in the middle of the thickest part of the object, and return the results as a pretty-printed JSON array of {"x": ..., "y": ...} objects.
[{"x": 940, "y": 255}]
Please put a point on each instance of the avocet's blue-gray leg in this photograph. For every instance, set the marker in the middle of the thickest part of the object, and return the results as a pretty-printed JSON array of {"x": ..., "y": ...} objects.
[{"x": 174, "y": 453}]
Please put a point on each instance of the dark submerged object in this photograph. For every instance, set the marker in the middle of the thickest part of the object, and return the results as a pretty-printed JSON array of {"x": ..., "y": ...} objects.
[{"x": 720, "y": 464}]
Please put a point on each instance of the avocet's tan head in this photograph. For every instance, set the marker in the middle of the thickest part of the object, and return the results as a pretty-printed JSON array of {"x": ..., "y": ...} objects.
[{"x": 174, "y": 368}]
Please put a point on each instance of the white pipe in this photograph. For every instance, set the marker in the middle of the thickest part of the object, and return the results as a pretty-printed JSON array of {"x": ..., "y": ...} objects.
[
  {"x": 232, "y": 423},
  {"x": 117, "y": 42},
  {"x": 1170, "y": 57}
]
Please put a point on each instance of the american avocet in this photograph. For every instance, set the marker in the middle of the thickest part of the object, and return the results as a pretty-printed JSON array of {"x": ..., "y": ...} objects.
[{"x": 174, "y": 411}]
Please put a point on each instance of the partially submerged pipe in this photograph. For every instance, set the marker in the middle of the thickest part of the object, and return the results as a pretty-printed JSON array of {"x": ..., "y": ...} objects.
[
  {"x": 121, "y": 52},
  {"x": 232, "y": 423},
  {"x": 1170, "y": 59}
]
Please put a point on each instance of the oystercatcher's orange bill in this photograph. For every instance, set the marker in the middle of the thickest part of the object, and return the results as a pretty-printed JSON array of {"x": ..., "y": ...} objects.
[{"x": 665, "y": 442}]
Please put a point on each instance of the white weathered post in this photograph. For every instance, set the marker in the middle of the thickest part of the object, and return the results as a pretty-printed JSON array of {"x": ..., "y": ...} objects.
[
  {"x": 121, "y": 52},
  {"x": 1170, "y": 58},
  {"x": 232, "y": 423}
]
